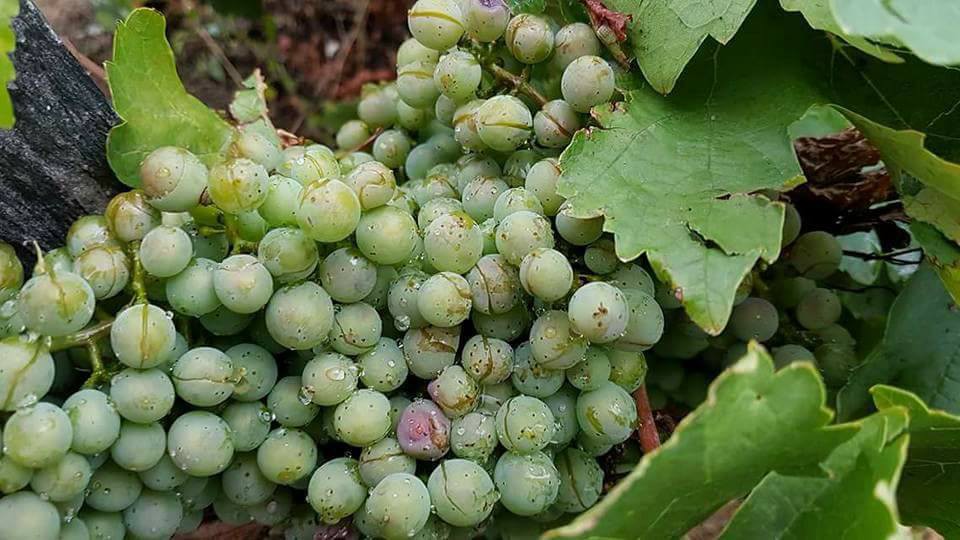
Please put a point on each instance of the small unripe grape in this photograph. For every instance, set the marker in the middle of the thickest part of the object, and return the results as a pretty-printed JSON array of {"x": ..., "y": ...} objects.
[
  {"x": 378, "y": 107},
  {"x": 382, "y": 459},
  {"x": 336, "y": 490},
  {"x": 85, "y": 233},
  {"x": 436, "y": 208},
  {"x": 487, "y": 360},
  {"x": 485, "y": 20},
  {"x": 572, "y": 42},
  {"x": 300, "y": 316},
  {"x": 546, "y": 274},
  {"x": 581, "y": 480},
  {"x": 791, "y": 225},
  {"x": 200, "y": 444},
  {"x": 424, "y": 431},
  {"x": 437, "y": 24},
  {"x": 453, "y": 243},
  {"x": 356, "y": 329},
  {"x": 27, "y": 515},
  {"x": 288, "y": 403},
  {"x": 204, "y": 376},
  {"x": 816, "y": 254},
  {"x": 142, "y": 336},
  {"x": 56, "y": 304},
  {"x": 457, "y": 75},
  {"x": 352, "y": 134},
  {"x": 173, "y": 179},
  {"x": 350, "y": 161},
  {"x": 607, "y": 414},
  {"x": 541, "y": 181},
  {"x": 191, "y": 292},
  {"x": 243, "y": 284},
  {"x": 330, "y": 378},
  {"x": 528, "y": 483},
  {"x": 533, "y": 379},
  {"x": 525, "y": 424},
  {"x": 238, "y": 186},
  {"x": 415, "y": 84},
  {"x": 363, "y": 418},
  {"x": 553, "y": 343},
  {"x": 593, "y": 371},
  {"x": 165, "y": 251},
  {"x": 601, "y": 258},
  {"x": 836, "y": 362},
  {"x": 387, "y": 235},
  {"x": 754, "y": 318},
  {"x": 819, "y": 309},
  {"x": 288, "y": 254},
  {"x": 445, "y": 299},
  {"x": 504, "y": 123},
  {"x": 26, "y": 373},
  {"x": 518, "y": 164},
  {"x": 412, "y": 118},
  {"x": 473, "y": 166},
  {"x": 522, "y": 232},
  {"x": 513, "y": 200},
  {"x": 329, "y": 210},
  {"x": 260, "y": 148},
  {"x": 412, "y": 50},
  {"x": 374, "y": 184},
  {"x": 579, "y": 231},
  {"x": 507, "y": 326},
  {"x": 480, "y": 196},
  {"x": 11, "y": 272},
  {"x": 454, "y": 391},
  {"x": 788, "y": 354},
  {"x": 555, "y": 123},
  {"x": 391, "y": 148},
  {"x": 461, "y": 492},
  {"x": 347, "y": 275},
  {"x": 139, "y": 447},
  {"x": 645, "y": 325},
  {"x": 130, "y": 217},
  {"x": 599, "y": 312},
  {"x": 529, "y": 38},
  {"x": 37, "y": 436},
  {"x": 105, "y": 268},
  {"x": 142, "y": 396},
  {"x": 627, "y": 368},
  {"x": 307, "y": 164},
  {"x": 383, "y": 368},
  {"x": 586, "y": 82},
  {"x": 465, "y": 129}
]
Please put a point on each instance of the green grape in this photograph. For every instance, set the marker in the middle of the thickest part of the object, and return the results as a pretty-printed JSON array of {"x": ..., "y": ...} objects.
[
  {"x": 387, "y": 235},
  {"x": 528, "y": 483},
  {"x": 129, "y": 216},
  {"x": 554, "y": 343},
  {"x": 229, "y": 512},
  {"x": 506, "y": 326},
  {"x": 11, "y": 272},
  {"x": 204, "y": 376},
  {"x": 27, "y": 516},
  {"x": 412, "y": 118},
  {"x": 356, "y": 329},
  {"x": 645, "y": 323},
  {"x": 516, "y": 200},
  {"x": 522, "y": 232},
  {"x": 465, "y": 129},
  {"x": 329, "y": 210},
  {"x": 353, "y": 134},
  {"x": 259, "y": 146},
  {"x": 287, "y": 455},
  {"x": 581, "y": 480},
  {"x": 504, "y": 123},
  {"x": 529, "y": 38},
  {"x": 480, "y": 196},
  {"x": 554, "y": 126},
  {"x": 208, "y": 246},
  {"x": 436, "y": 208},
  {"x": 453, "y": 242},
  {"x": 274, "y": 510},
  {"x": 329, "y": 378},
  {"x": 587, "y": 81},
  {"x": 836, "y": 335},
  {"x": 473, "y": 436},
  {"x": 599, "y": 312},
  {"x": 461, "y": 492},
  {"x": 485, "y": 20},
  {"x": 815, "y": 254},
  {"x": 578, "y": 231},
  {"x": 412, "y": 50},
  {"x": 155, "y": 514},
  {"x": 88, "y": 232},
  {"x": 421, "y": 159},
  {"x": 223, "y": 322},
  {"x": 288, "y": 254},
  {"x": 455, "y": 392},
  {"x": 495, "y": 285},
  {"x": 257, "y": 370},
  {"x": 198, "y": 493},
  {"x": 363, "y": 418},
  {"x": 518, "y": 164},
  {"x": 249, "y": 424},
  {"x": 289, "y": 405},
  {"x": 308, "y": 164},
  {"x": 572, "y": 42},
  {"x": 164, "y": 476},
  {"x": 26, "y": 372},
  {"x": 336, "y": 490},
  {"x": 563, "y": 405},
  {"x": 383, "y": 368},
  {"x": 473, "y": 166},
  {"x": 139, "y": 446},
  {"x": 607, "y": 414},
  {"x": 754, "y": 318},
  {"x": 11, "y": 323},
  {"x": 243, "y": 284},
  {"x": 377, "y": 298},
  {"x": 200, "y": 443},
  {"x": 243, "y": 483},
  {"x": 190, "y": 522},
  {"x": 541, "y": 182},
  {"x": 103, "y": 525},
  {"x": 439, "y": 182},
  {"x": 493, "y": 397},
  {"x": 788, "y": 354},
  {"x": 627, "y": 368},
  {"x": 56, "y": 304},
  {"x": 601, "y": 258},
  {"x": 143, "y": 336},
  {"x": 430, "y": 349},
  {"x": 63, "y": 480},
  {"x": 142, "y": 396},
  {"x": 238, "y": 186},
  {"x": 112, "y": 489},
  {"x": 532, "y": 379},
  {"x": 105, "y": 268},
  {"x": 836, "y": 362},
  {"x": 383, "y": 458},
  {"x": 402, "y": 300},
  {"x": 300, "y": 317},
  {"x": 165, "y": 251},
  {"x": 347, "y": 275},
  {"x": 632, "y": 276},
  {"x": 592, "y": 372},
  {"x": 416, "y": 87},
  {"x": 94, "y": 421},
  {"x": 38, "y": 435},
  {"x": 489, "y": 230},
  {"x": 444, "y": 109},
  {"x": 819, "y": 309},
  {"x": 525, "y": 424},
  {"x": 400, "y": 504},
  {"x": 378, "y": 107},
  {"x": 13, "y": 477},
  {"x": 487, "y": 360},
  {"x": 74, "y": 529},
  {"x": 437, "y": 24},
  {"x": 373, "y": 183},
  {"x": 791, "y": 224},
  {"x": 457, "y": 75},
  {"x": 444, "y": 299},
  {"x": 173, "y": 179},
  {"x": 280, "y": 207},
  {"x": 788, "y": 292},
  {"x": 546, "y": 274},
  {"x": 191, "y": 292},
  {"x": 392, "y": 147}
]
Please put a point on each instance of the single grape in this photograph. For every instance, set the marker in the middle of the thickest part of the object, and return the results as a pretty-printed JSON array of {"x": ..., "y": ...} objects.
[
  {"x": 411, "y": 118},
  {"x": 27, "y": 516},
  {"x": 62, "y": 480},
  {"x": 165, "y": 251},
  {"x": 37, "y": 436},
  {"x": 506, "y": 326},
  {"x": 516, "y": 200},
  {"x": 465, "y": 129},
  {"x": 155, "y": 514},
  {"x": 416, "y": 88},
  {"x": 437, "y": 24},
  {"x": 531, "y": 378},
  {"x": 164, "y": 476},
  {"x": 103, "y": 525},
  {"x": 430, "y": 349},
  {"x": 85, "y": 233},
  {"x": 373, "y": 182},
  {"x": 487, "y": 360},
  {"x": 244, "y": 484},
  {"x": 439, "y": 181},
  {"x": 200, "y": 443},
  {"x": 522, "y": 232},
  {"x": 454, "y": 391},
  {"x": 356, "y": 329},
  {"x": 791, "y": 224},
  {"x": 815, "y": 254},
  {"x": 444, "y": 109},
  {"x": 436, "y": 208},
  {"x": 383, "y": 458},
  {"x": 607, "y": 414},
  {"x": 421, "y": 159},
  {"x": 139, "y": 447},
  {"x": 819, "y": 309},
  {"x": 392, "y": 146},
  {"x": 525, "y": 424},
  {"x": 353, "y": 133},
  {"x": 480, "y": 196},
  {"x": 541, "y": 181},
  {"x": 402, "y": 300},
  {"x": 399, "y": 506},
  {"x": 329, "y": 210},
  {"x": 518, "y": 164},
  {"x": 576, "y": 230},
  {"x": 129, "y": 216},
  {"x": 142, "y": 396},
  {"x": 554, "y": 344},
  {"x": 546, "y": 274},
  {"x": 627, "y": 368},
  {"x": 377, "y": 299},
  {"x": 213, "y": 246},
  {"x": 485, "y": 20},
  {"x": 336, "y": 490},
  {"x": 593, "y": 371},
  {"x": 287, "y": 456},
  {"x": 461, "y": 492},
  {"x": 223, "y": 322},
  {"x": 204, "y": 376},
  {"x": 238, "y": 186},
  {"x": 74, "y": 529},
  {"x": 457, "y": 75},
  {"x": 250, "y": 226},
  {"x": 601, "y": 258},
  {"x": 11, "y": 272},
  {"x": 143, "y": 336},
  {"x": 279, "y": 209},
  {"x": 444, "y": 299},
  {"x": 754, "y": 318},
  {"x": 587, "y": 81},
  {"x": 473, "y": 166},
  {"x": 259, "y": 145},
  {"x": 257, "y": 370},
  {"x": 599, "y": 312},
  {"x": 529, "y": 38},
  {"x": 387, "y": 235},
  {"x": 581, "y": 480},
  {"x": 383, "y": 368},
  {"x": 112, "y": 489},
  {"x": 191, "y": 292},
  {"x": 412, "y": 50},
  {"x": 13, "y": 476},
  {"x": 504, "y": 123},
  {"x": 308, "y": 164},
  {"x": 56, "y": 304},
  {"x": 229, "y": 512},
  {"x": 378, "y": 107},
  {"x": 363, "y": 418},
  {"x": 836, "y": 335},
  {"x": 645, "y": 323},
  {"x": 300, "y": 316},
  {"x": 173, "y": 179},
  {"x": 105, "y": 268},
  {"x": 288, "y": 254},
  {"x": 329, "y": 378},
  {"x": 249, "y": 424},
  {"x": 788, "y": 354},
  {"x": 289, "y": 405},
  {"x": 347, "y": 275},
  {"x": 572, "y": 42},
  {"x": 836, "y": 363},
  {"x": 94, "y": 420},
  {"x": 243, "y": 284},
  {"x": 26, "y": 372},
  {"x": 563, "y": 405},
  {"x": 274, "y": 510},
  {"x": 633, "y": 276},
  {"x": 528, "y": 483},
  {"x": 423, "y": 431},
  {"x": 495, "y": 285}
]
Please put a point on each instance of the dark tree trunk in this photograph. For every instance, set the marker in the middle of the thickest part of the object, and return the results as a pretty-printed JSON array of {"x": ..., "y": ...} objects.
[{"x": 52, "y": 163}]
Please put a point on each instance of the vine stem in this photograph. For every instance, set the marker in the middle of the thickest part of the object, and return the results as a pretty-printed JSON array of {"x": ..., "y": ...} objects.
[
  {"x": 517, "y": 82},
  {"x": 137, "y": 281},
  {"x": 98, "y": 374},
  {"x": 647, "y": 430},
  {"x": 340, "y": 154},
  {"x": 83, "y": 337}
]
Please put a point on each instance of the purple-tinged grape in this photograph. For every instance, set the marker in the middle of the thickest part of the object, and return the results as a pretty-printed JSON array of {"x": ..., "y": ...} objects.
[{"x": 424, "y": 431}]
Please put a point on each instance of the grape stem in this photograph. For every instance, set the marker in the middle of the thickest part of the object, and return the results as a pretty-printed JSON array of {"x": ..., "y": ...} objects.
[
  {"x": 98, "y": 373},
  {"x": 340, "y": 154},
  {"x": 647, "y": 430},
  {"x": 137, "y": 282},
  {"x": 890, "y": 257},
  {"x": 517, "y": 82}
]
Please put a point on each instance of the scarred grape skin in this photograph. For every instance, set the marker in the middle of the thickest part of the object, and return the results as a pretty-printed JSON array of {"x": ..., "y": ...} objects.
[
  {"x": 424, "y": 431},
  {"x": 173, "y": 179},
  {"x": 529, "y": 38},
  {"x": 504, "y": 123},
  {"x": 587, "y": 81},
  {"x": 599, "y": 312},
  {"x": 437, "y": 24},
  {"x": 462, "y": 492},
  {"x": 329, "y": 210}
]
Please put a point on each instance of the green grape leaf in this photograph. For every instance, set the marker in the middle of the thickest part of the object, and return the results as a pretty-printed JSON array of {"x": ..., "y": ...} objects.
[
  {"x": 527, "y": 6},
  {"x": 155, "y": 107},
  {"x": 818, "y": 15},
  {"x": 942, "y": 254},
  {"x": 8, "y": 10},
  {"x": 250, "y": 102},
  {"x": 930, "y": 205},
  {"x": 720, "y": 451},
  {"x": 818, "y": 121},
  {"x": 672, "y": 175},
  {"x": 853, "y": 496},
  {"x": 665, "y": 35},
  {"x": 928, "y": 493},
  {"x": 926, "y": 28},
  {"x": 920, "y": 350}
]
